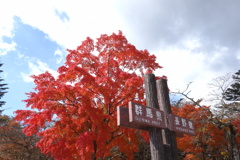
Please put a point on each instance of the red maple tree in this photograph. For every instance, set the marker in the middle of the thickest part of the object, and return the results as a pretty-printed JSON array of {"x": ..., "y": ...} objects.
[{"x": 75, "y": 113}]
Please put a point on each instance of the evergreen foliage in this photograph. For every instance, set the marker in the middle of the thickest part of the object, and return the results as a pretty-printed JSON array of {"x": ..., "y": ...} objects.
[
  {"x": 233, "y": 93},
  {"x": 3, "y": 89}
]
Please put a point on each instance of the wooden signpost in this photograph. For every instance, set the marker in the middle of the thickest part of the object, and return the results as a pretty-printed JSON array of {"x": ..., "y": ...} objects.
[
  {"x": 123, "y": 119},
  {"x": 157, "y": 119},
  {"x": 181, "y": 125},
  {"x": 143, "y": 115}
]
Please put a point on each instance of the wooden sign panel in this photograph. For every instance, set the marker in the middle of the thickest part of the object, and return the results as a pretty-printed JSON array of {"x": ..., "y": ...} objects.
[
  {"x": 123, "y": 119},
  {"x": 147, "y": 116},
  {"x": 181, "y": 125}
]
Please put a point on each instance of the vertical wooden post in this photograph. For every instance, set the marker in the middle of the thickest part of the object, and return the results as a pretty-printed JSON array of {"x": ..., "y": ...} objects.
[
  {"x": 155, "y": 134},
  {"x": 164, "y": 103}
]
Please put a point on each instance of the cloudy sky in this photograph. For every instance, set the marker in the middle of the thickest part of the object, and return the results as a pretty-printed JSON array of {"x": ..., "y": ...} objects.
[{"x": 194, "y": 40}]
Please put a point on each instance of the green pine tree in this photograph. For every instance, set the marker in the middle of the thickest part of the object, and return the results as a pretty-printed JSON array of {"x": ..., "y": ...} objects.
[
  {"x": 233, "y": 92},
  {"x": 3, "y": 90}
]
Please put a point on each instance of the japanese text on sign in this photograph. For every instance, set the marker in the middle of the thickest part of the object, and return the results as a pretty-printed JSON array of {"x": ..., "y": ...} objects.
[
  {"x": 145, "y": 115},
  {"x": 182, "y": 125}
]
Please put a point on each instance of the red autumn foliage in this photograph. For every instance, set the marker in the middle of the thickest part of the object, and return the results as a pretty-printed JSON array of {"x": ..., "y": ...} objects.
[
  {"x": 80, "y": 105},
  {"x": 211, "y": 141}
]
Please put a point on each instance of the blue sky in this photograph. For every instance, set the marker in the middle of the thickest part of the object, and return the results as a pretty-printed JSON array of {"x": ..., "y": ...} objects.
[
  {"x": 34, "y": 53},
  {"x": 193, "y": 41}
]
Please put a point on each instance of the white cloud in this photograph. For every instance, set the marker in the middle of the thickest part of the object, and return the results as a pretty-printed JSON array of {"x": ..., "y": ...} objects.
[
  {"x": 192, "y": 44},
  {"x": 84, "y": 18},
  {"x": 37, "y": 67},
  {"x": 189, "y": 45},
  {"x": 183, "y": 66},
  {"x": 20, "y": 55},
  {"x": 6, "y": 47},
  {"x": 6, "y": 27},
  {"x": 60, "y": 54}
]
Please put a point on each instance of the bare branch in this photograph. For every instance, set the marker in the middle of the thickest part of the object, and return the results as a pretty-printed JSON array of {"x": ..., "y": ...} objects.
[{"x": 186, "y": 92}]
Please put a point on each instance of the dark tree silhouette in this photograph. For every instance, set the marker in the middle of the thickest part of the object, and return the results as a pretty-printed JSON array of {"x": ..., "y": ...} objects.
[
  {"x": 233, "y": 92},
  {"x": 3, "y": 89}
]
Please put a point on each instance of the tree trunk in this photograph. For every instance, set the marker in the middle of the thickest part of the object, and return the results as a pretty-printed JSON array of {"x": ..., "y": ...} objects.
[
  {"x": 233, "y": 146},
  {"x": 95, "y": 150}
]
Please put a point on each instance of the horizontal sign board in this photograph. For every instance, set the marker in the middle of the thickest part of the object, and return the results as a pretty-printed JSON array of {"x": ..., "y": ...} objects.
[
  {"x": 181, "y": 125},
  {"x": 147, "y": 116},
  {"x": 123, "y": 119}
]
